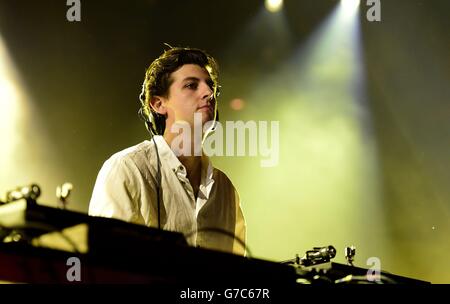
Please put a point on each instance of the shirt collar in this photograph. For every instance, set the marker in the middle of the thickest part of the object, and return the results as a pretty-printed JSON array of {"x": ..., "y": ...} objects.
[{"x": 169, "y": 157}]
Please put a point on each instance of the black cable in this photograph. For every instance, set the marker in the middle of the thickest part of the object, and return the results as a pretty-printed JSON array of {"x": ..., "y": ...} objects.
[
  {"x": 21, "y": 231},
  {"x": 148, "y": 126},
  {"x": 158, "y": 184},
  {"x": 45, "y": 227}
]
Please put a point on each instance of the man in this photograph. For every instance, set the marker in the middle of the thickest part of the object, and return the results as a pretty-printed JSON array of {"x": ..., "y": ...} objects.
[{"x": 167, "y": 182}]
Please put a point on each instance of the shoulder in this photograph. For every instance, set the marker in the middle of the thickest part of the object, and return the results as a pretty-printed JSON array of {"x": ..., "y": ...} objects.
[
  {"x": 128, "y": 160},
  {"x": 134, "y": 154}
]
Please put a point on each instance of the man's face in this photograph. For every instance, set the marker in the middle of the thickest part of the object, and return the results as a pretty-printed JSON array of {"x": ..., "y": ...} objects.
[{"x": 190, "y": 93}]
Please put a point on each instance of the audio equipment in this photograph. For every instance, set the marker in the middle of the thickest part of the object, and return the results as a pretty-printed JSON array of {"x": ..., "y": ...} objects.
[{"x": 113, "y": 251}]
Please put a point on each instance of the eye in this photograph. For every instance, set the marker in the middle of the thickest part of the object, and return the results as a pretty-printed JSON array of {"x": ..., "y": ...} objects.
[{"x": 191, "y": 85}]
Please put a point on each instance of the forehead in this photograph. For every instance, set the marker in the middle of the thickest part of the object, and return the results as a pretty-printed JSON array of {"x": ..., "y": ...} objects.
[{"x": 190, "y": 70}]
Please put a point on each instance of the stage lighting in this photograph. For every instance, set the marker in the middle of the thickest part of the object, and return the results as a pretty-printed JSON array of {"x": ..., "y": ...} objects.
[
  {"x": 10, "y": 106},
  {"x": 350, "y": 7},
  {"x": 274, "y": 6}
]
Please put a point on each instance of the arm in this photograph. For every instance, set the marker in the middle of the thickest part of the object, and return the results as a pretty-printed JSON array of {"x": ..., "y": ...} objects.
[{"x": 115, "y": 194}]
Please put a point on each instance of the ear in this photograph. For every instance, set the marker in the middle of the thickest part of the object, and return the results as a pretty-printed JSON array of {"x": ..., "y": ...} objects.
[{"x": 157, "y": 104}]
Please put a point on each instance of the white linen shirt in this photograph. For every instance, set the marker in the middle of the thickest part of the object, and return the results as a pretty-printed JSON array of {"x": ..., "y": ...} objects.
[{"x": 125, "y": 189}]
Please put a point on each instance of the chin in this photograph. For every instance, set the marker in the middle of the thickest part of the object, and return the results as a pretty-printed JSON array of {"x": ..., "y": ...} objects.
[{"x": 206, "y": 116}]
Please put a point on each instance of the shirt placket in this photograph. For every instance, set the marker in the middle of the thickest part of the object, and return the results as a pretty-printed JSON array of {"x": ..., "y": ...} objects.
[{"x": 180, "y": 171}]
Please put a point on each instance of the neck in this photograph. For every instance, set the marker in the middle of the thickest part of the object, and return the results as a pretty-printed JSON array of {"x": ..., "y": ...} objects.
[
  {"x": 188, "y": 150},
  {"x": 184, "y": 142}
]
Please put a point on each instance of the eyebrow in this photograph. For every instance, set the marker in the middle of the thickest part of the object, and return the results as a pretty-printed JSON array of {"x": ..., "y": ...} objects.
[{"x": 191, "y": 78}]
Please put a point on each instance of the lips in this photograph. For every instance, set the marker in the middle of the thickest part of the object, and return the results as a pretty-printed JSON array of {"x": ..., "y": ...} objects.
[{"x": 205, "y": 108}]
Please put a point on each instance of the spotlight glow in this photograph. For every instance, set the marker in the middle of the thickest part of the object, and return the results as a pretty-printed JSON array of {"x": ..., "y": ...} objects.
[
  {"x": 26, "y": 152},
  {"x": 318, "y": 96},
  {"x": 349, "y": 7},
  {"x": 273, "y": 6},
  {"x": 10, "y": 105},
  {"x": 237, "y": 104}
]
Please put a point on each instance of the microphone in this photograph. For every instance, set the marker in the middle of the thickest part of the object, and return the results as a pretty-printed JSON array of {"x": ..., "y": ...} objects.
[
  {"x": 318, "y": 255},
  {"x": 32, "y": 192},
  {"x": 63, "y": 193}
]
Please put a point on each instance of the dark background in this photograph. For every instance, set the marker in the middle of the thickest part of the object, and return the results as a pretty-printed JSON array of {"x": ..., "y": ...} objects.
[{"x": 82, "y": 80}]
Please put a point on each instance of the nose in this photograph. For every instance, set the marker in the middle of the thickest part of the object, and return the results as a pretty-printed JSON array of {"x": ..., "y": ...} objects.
[{"x": 207, "y": 92}]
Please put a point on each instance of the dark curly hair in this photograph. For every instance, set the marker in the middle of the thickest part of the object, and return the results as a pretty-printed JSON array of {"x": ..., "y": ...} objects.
[{"x": 157, "y": 79}]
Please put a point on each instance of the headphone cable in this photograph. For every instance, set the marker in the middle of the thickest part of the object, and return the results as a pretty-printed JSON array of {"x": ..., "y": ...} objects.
[
  {"x": 158, "y": 171},
  {"x": 158, "y": 182}
]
